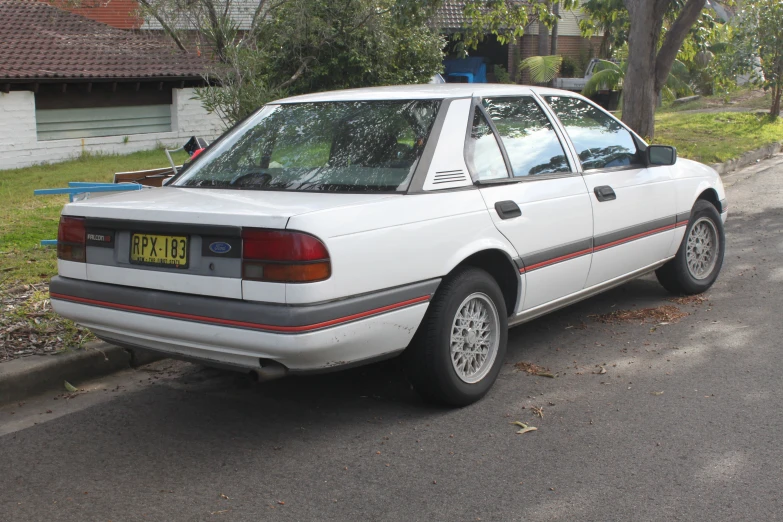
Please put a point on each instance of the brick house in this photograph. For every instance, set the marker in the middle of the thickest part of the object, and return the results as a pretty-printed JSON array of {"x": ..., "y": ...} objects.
[
  {"x": 450, "y": 20},
  {"x": 69, "y": 84}
]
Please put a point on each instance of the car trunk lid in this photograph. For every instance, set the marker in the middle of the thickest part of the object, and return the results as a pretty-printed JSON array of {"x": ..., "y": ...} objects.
[{"x": 136, "y": 239}]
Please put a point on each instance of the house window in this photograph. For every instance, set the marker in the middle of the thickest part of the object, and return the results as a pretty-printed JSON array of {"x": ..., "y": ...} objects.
[{"x": 101, "y": 110}]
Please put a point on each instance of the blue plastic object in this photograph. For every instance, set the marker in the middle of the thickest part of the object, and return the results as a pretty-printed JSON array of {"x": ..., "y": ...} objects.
[
  {"x": 80, "y": 187},
  {"x": 473, "y": 69}
]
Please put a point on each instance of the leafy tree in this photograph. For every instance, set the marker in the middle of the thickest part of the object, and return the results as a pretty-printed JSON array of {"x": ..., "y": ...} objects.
[
  {"x": 758, "y": 42},
  {"x": 655, "y": 31},
  {"x": 300, "y": 46}
]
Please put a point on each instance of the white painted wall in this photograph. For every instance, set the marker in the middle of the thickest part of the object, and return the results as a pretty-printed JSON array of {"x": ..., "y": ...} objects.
[{"x": 19, "y": 145}]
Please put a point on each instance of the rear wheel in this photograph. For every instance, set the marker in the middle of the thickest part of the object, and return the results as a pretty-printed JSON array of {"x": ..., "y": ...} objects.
[
  {"x": 459, "y": 348},
  {"x": 698, "y": 261}
]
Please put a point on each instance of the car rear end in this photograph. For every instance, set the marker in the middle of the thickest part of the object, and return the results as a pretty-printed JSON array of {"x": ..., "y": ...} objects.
[{"x": 201, "y": 269}]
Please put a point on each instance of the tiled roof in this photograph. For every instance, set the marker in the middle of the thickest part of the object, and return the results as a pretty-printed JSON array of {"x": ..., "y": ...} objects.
[
  {"x": 38, "y": 42},
  {"x": 450, "y": 15}
]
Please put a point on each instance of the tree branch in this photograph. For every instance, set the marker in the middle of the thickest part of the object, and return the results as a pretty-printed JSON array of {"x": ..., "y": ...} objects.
[
  {"x": 168, "y": 30},
  {"x": 298, "y": 73},
  {"x": 673, "y": 40}
]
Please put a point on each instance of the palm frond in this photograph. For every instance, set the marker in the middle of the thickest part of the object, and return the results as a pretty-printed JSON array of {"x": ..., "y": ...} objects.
[
  {"x": 542, "y": 68},
  {"x": 606, "y": 75}
]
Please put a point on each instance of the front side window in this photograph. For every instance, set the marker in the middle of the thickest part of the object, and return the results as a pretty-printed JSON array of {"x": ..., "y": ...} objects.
[
  {"x": 530, "y": 140},
  {"x": 355, "y": 146},
  {"x": 599, "y": 139},
  {"x": 483, "y": 152}
]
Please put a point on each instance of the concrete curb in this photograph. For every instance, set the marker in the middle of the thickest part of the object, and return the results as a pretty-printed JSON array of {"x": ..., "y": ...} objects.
[
  {"x": 22, "y": 378},
  {"x": 746, "y": 159}
]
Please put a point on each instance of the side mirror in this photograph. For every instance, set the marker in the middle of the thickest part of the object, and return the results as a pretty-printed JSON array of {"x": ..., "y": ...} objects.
[{"x": 661, "y": 155}]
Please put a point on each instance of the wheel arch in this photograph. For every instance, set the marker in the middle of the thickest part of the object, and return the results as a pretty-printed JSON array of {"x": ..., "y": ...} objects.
[
  {"x": 710, "y": 195},
  {"x": 499, "y": 264}
]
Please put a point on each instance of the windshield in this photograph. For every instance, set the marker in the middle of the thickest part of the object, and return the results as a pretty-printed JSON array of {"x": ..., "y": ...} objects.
[{"x": 356, "y": 146}]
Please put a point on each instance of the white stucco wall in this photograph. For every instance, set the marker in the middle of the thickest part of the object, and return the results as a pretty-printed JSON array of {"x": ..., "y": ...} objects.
[{"x": 19, "y": 145}]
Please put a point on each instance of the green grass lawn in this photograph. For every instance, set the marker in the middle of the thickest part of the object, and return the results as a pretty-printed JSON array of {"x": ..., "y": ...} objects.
[
  {"x": 26, "y": 219},
  {"x": 743, "y": 98},
  {"x": 716, "y": 137}
]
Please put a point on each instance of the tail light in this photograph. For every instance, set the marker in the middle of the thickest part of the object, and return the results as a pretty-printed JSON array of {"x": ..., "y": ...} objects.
[
  {"x": 282, "y": 256},
  {"x": 71, "y": 239}
]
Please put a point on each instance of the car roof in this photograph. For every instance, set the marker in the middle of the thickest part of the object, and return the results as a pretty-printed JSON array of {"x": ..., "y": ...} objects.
[{"x": 424, "y": 92}]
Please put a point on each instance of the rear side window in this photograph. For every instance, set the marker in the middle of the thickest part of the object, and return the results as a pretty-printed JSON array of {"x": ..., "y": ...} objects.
[
  {"x": 483, "y": 152},
  {"x": 354, "y": 146},
  {"x": 599, "y": 139},
  {"x": 530, "y": 140}
]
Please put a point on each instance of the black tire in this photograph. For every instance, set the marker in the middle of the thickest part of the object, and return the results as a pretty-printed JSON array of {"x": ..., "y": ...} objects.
[
  {"x": 676, "y": 276},
  {"x": 428, "y": 360}
]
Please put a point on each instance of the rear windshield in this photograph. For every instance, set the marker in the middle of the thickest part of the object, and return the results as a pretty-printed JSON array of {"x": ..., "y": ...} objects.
[{"x": 356, "y": 146}]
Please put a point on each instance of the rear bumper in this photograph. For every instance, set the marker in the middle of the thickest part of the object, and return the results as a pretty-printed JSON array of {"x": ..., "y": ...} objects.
[{"x": 240, "y": 333}]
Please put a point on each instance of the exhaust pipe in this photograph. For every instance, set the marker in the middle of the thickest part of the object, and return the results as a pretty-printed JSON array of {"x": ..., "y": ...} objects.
[{"x": 269, "y": 370}]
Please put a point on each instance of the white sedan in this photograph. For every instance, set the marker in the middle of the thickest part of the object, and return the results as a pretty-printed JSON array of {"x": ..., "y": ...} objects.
[{"x": 344, "y": 227}]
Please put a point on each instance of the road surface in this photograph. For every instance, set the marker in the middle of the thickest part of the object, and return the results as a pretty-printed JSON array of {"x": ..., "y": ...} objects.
[{"x": 644, "y": 421}]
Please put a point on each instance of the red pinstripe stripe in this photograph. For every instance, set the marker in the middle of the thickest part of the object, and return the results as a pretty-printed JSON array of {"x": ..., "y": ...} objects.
[
  {"x": 599, "y": 248},
  {"x": 631, "y": 238},
  {"x": 555, "y": 260},
  {"x": 243, "y": 324}
]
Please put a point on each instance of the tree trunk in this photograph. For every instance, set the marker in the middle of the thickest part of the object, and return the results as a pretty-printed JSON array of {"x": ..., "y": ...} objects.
[
  {"x": 639, "y": 93},
  {"x": 648, "y": 68},
  {"x": 553, "y": 47},
  {"x": 543, "y": 39},
  {"x": 776, "y": 95}
]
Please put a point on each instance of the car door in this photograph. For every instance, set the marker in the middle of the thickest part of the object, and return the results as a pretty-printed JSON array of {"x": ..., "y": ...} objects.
[
  {"x": 634, "y": 206},
  {"x": 537, "y": 199}
]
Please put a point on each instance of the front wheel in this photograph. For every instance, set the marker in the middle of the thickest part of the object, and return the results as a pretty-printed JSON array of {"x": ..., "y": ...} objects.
[
  {"x": 698, "y": 261},
  {"x": 459, "y": 348}
]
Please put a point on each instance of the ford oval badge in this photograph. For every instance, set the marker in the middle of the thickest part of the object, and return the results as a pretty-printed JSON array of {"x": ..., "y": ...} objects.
[{"x": 219, "y": 247}]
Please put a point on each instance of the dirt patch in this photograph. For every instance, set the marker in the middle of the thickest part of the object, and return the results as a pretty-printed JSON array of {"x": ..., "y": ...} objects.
[
  {"x": 533, "y": 369},
  {"x": 29, "y": 326},
  {"x": 689, "y": 300},
  {"x": 659, "y": 314}
]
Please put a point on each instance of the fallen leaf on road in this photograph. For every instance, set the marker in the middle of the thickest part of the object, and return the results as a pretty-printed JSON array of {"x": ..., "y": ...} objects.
[
  {"x": 601, "y": 371},
  {"x": 656, "y": 393},
  {"x": 224, "y": 497},
  {"x": 691, "y": 299},
  {"x": 70, "y": 387},
  {"x": 538, "y": 411},
  {"x": 659, "y": 314},
  {"x": 533, "y": 369},
  {"x": 525, "y": 427}
]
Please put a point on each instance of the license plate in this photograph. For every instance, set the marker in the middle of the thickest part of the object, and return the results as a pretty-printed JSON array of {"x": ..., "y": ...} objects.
[{"x": 157, "y": 250}]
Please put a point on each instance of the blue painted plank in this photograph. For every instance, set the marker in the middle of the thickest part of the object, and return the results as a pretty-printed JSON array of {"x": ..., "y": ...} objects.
[
  {"x": 48, "y": 242},
  {"x": 79, "y": 190}
]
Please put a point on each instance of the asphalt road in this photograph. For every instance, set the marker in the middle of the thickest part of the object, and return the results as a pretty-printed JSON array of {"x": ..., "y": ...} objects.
[{"x": 684, "y": 424}]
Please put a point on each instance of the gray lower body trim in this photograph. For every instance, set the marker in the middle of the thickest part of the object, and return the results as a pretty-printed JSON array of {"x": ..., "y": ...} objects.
[
  {"x": 552, "y": 255},
  {"x": 683, "y": 217},
  {"x": 235, "y": 310},
  {"x": 529, "y": 315},
  {"x": 629, "y": 233}
]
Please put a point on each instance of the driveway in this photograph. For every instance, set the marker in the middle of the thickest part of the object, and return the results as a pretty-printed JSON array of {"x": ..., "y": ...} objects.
[{"x": 643, "y": 421}]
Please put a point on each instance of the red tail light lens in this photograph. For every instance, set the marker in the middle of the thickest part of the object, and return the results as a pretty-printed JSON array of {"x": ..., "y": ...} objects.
[
  {"x": 283, "y": 257},
  {"x": 71, "y": 239}
]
